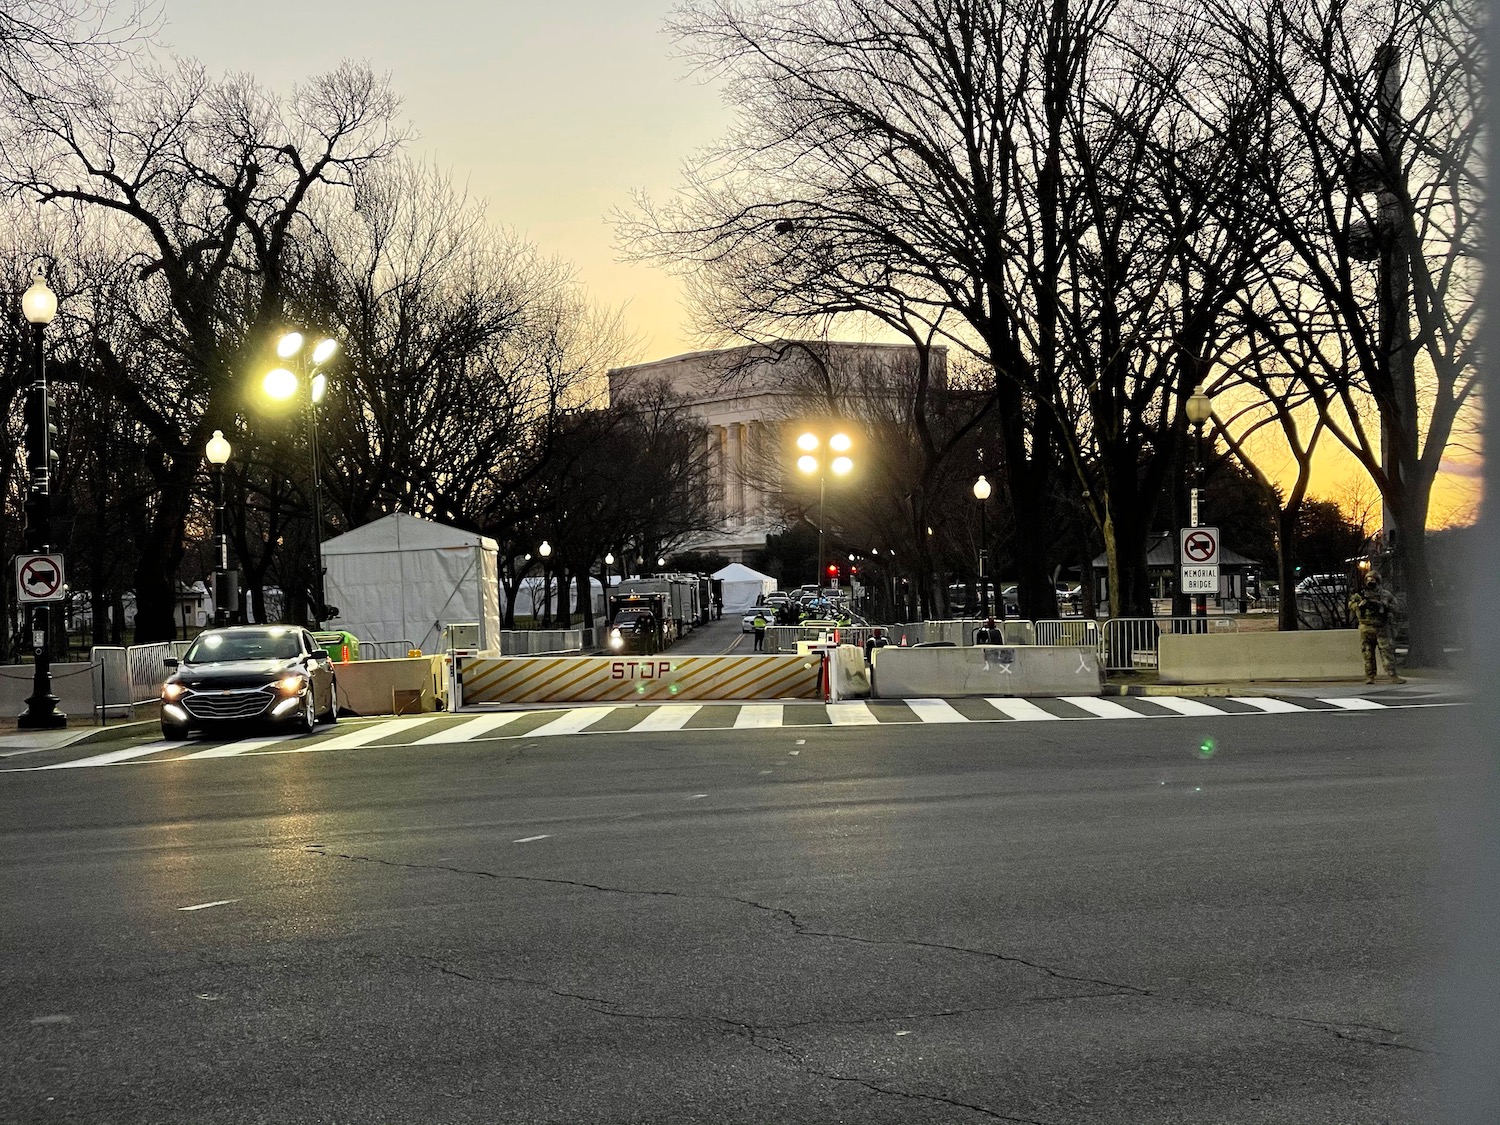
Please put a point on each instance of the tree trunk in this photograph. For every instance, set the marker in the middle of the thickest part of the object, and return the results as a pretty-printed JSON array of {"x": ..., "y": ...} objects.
[
  {"x": 161, "y": 554},
  {"x": 1286, "y": 567}
]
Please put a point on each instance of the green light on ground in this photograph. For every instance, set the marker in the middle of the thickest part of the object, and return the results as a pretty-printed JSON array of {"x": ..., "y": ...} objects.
[{"x": 1207, "y": 747}]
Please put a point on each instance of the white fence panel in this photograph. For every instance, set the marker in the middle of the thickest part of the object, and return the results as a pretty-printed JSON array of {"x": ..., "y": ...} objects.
[{"x": 1131, "y": 643}]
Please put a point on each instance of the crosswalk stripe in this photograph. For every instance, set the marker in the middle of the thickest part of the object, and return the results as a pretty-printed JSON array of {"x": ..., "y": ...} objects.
[
  {"x": 1268, "y": 705},
  {"x": 361, "y": 737},
  {"x": 571, "y": 722},
  {"x": 112, "y": 756},
  {"x": 757, "y": 715},
  {"x": 935, "y": 711},
  {"x": 668, "y": 718},
  {"x": 1104, "y": 708},
  {"x": 471, "y": 728},
  {"x": 851, "y": 713},
  {"x": 1183, "y": 706},
  {"x": 1022, "y": 709},
  {"x": 1355, "y": 703},
  {"x": 235, "y": 749}
]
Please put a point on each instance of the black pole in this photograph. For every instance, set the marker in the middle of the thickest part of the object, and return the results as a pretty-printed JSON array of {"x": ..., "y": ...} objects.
[
  {"x": 1202, "y": 599},
  {"x": 984, "y": 585},
  {"x": 318, "y": 606},
  {"x": 41, "y": 707},
  {"x": 221, "y": 544}
]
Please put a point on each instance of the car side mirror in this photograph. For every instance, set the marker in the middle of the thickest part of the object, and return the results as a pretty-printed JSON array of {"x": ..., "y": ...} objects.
[{"x": 171, "y": 662}]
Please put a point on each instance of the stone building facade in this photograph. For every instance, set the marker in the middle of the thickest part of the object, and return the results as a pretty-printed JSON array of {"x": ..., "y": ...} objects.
[{"x": 753, "y": 401}]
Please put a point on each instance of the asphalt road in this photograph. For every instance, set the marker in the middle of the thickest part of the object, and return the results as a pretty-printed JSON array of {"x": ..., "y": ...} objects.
[{"x": 1225, "y": 920}]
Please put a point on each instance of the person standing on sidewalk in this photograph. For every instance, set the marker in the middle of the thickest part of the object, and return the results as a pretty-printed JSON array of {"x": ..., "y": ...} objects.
[
  {"x": 758, "y": 627},
  {"x": 989, "y": 633},
  {"x": 1374, "y": 608}
]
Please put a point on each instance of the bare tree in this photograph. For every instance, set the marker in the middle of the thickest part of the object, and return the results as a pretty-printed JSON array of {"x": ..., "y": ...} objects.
[
  {"x": 205, "y": 183},
  {"x": 1369, "y": 156}
]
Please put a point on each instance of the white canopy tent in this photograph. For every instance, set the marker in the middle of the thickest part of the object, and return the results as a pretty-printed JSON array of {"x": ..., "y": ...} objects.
[
  {"x": 743, "y": 586},
  {"x": 403, "y": 578}
]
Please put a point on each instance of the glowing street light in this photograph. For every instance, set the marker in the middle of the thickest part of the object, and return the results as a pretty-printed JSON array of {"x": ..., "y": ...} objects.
[{"x": 812, "y": 462}]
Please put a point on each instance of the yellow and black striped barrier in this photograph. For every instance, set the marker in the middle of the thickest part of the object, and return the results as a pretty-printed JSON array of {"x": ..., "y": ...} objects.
[{"x": 598, "y": 679}]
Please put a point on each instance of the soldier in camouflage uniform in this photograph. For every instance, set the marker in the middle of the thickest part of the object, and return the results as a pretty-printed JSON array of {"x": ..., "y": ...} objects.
[{"x": 1374, "y": 608}]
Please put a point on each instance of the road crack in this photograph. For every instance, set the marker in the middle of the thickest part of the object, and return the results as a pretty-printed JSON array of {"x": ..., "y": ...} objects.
[{"x": 1348, "y": 1031}]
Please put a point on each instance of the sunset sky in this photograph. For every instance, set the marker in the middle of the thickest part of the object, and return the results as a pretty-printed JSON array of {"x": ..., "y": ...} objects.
[{"x": 552, "y": 112}]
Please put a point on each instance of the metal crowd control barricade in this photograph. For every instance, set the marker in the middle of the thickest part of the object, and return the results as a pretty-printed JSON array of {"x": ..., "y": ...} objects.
[
  {"x": 1073, "y": 632},
  {"x": 148, "y": 668},
  {"x": 1132, "y": 644}
]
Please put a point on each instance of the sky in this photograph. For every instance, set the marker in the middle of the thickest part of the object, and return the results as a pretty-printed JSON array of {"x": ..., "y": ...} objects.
[{"x": 554, "y": 111}]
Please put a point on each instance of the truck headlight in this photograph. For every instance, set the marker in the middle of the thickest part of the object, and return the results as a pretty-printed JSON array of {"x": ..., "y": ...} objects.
[{"x": 615, "y": 639}]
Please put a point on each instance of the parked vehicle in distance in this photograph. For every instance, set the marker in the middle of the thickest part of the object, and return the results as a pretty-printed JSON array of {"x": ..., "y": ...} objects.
[
  {"x": 1323, "y": 585},
  {"x": 249, "y": 674}
]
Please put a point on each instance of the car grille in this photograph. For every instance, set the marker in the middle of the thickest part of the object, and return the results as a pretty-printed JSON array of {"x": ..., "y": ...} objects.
[{"x": 233, "y": 703}]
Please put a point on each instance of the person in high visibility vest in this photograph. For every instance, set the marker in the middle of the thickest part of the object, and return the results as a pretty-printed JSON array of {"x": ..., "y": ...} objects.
[{"x": 758, "y": 627}]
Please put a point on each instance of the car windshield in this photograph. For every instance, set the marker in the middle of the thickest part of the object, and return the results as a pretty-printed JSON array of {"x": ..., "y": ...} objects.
[{"x": 214, "y": 648}]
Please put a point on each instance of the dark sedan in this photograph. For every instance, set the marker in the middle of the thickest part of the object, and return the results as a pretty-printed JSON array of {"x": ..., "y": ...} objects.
[{"x": 248, "y": 674}]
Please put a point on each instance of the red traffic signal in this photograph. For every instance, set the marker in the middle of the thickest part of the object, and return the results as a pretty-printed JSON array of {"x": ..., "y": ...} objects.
[{"x": 833, "y": 570}]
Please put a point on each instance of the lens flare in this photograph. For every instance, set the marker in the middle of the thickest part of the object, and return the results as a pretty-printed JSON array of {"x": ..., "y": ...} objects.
[{"x": 1207, "y": 747}]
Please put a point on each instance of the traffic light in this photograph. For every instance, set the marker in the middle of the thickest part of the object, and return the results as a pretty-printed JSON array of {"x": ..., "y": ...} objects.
[{"x": 833, "y": 571}]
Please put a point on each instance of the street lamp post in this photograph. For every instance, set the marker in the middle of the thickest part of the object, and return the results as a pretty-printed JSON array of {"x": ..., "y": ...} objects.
[
  {"x": 1199, "y": 410},
  {"x": 39, "y": 305},
  {"x": 982, "y": 494},
  {"x": 217, "y": 451},
  {"x": 812, "y": 462},
  {"x": 545, "y": 550},
  {"x": 283, "y": 384}
]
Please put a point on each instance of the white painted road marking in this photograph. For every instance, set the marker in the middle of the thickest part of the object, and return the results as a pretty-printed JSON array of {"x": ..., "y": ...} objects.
[
  {"x": 206, "y": 905},
  {"x": 668, "y": 717},
  {"x": 473, "y": 728},
  {"x": 1268, "y": 705},
  {"x": 1355, "y": 703},
  {"x": 851, "y": 714},
  {"x": 1183, "y": 706},
  {"x": 571, "y": 722},
  {"x": 935, "y": 711},
  {"x": 361, "y": 737},
  {"x": 1022, "y": 709},
  {"x": 235, "y": 749},
  {"x": 113, "y": 756},
  {"x": 532, "y": 839},
  {"x": 1104, "y": 708},
  {"x": 755, "y": 715}
]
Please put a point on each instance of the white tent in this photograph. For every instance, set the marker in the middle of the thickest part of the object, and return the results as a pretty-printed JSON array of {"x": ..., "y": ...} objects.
[
  {"x": 403, "y": 578},
  {"x": 742, "y": 586}
]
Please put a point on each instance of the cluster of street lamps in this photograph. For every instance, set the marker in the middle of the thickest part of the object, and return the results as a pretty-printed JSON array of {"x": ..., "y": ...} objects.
[{"x": 815, "y": 461}]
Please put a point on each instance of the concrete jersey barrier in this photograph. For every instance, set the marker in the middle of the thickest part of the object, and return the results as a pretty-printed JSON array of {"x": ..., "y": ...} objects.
[
  {"x": 592, "y": 679},
  {"x": 1018, "y": 670},
  {"x": 1209, "y": 658}
]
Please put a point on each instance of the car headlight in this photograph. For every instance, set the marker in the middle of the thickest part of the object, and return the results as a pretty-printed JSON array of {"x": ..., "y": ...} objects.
[
  {"x": 171, "y": 692},
  {"x": 615, "y": 639},
  {"x": 290, "y": 685}
]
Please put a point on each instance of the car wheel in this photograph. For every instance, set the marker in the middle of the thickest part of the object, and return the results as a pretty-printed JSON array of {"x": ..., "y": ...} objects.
[
  {"x": 332, "y": 714},
  {"x": 307, "y": 718},
  {"x": 175, "y": 731}
]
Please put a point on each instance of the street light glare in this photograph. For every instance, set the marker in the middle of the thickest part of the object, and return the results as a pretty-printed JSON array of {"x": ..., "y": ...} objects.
[
  {"x": 840, "y": 443},
  {"x": 279, "y": 384},
  {"x": 981, "y": 488},
  {"x": 289, "y": 345},
  {"x": 807, "y": 463},
  {"x": 319, "y": 386},
  {"x": 545, "y": 549},
  {"x": 807, "y": 442},
  {"x": 324, "y": 351},
  {"x": 842, "y": 465}
]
